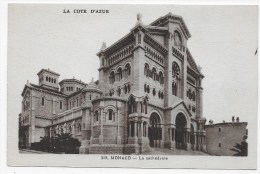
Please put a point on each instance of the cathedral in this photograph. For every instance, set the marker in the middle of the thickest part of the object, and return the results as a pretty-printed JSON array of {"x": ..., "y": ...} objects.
[{"x": 148, "y": 95}]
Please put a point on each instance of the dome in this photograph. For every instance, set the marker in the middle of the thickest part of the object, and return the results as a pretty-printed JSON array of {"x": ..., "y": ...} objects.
[{"x": 91, "y": 87}]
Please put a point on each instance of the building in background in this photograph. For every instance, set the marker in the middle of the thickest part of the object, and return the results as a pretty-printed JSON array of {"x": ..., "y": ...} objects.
[
  {"x": 221, "y": 137},
  {"x": 149, "y": 94}
]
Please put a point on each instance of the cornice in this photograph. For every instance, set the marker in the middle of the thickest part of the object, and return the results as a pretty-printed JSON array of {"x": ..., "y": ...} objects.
[
  {"x": 43, "y": 90},
  {"x": 171, "y": 18},
  {"x": 155, "y": 45},
  {"x": 117, "y": 45}
]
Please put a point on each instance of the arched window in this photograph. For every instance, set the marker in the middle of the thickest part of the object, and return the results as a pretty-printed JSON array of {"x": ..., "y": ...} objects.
[
  {"x": 61, "y": 130},
  {"x": 190, "y": 94},
  {"x": 111, "y": 92},
  {"x": 79, "y": 127},
  {"x": 119, "y": 91},
  {"x": 146, "y": 70},
  {"x": 103, "y": 62},
  {"x": 175, "y": 70},
  {"x": 145, "y": 106},
  {"x": 46, "y": 78},
  {"x": 177, "y": 40},
  {"x": 159, "y": 94},
  {"x": 154, "y": 73},
  {"x": 129, "y": 87},
  {"x": 61, "y": 104},
  {"x": 193, "y": 95},
  {"x": 154, "y": 92},
  {"x": 145, "y": 88},
  {"x": 161, "y": 79},
  {"x": 125, "y": 89},
  {"x": 148, "y": 89},
  {"x": 96, "y": 115},
  {"x": 112, "y": 77},
  {"x": 110, "y": 114},
  {"x": 174, "y": 88},
  {"x": 43, "y": 101},
  {"x": 128, "y": 69},
  {"x": 120, "y": 73},
  {"x": 69, "y": 128}
]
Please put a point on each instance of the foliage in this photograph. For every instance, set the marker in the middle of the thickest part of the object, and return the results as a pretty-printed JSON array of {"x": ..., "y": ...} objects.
[
  {"x": 240, "y": 149},
  {"x": 63, "y": 142}
]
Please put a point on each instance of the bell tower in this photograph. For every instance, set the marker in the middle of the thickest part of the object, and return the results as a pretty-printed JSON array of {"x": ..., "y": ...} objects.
[{"x": 49, "y": 79}]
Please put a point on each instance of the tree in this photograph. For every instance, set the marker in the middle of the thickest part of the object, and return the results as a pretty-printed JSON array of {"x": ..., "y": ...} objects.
[
  {"x": 240, "y": 149},
  {"x": 63, "y": 142}
]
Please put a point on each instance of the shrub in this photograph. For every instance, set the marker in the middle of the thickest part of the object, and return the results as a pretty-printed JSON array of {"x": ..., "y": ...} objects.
[{"x": 63, "y": 142}]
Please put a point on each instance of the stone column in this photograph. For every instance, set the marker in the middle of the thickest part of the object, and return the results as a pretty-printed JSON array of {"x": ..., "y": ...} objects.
[
  {"x": 65, "y": 128},
  {"x": 204, "y": 144},
  {"x": 92, "y": 124},
  {"x": 162, "y": 138},
  {"x": 129, "y": 130},
  {"x": 172, "y": 142},
  {"x": 146, "y": 129},
  {"x": 170, "y": 134},
  {"x": 199, "y": 142},
  {"x": 118, "y": 138},
  {"x": 57, "y": 129},
  {"x": 141, "y": 129},
  {"x": 53, "y": 106},
  {"x": 199, "y": 99},
  {"x": 178, "y": 87},
  {"x": 173, "y": 134},
  {"x": 188, "y": 140},
  {"x": 101, "y": 127},
  {"x": 195, "y": 141},
  {"x": 135, "y": 129}
]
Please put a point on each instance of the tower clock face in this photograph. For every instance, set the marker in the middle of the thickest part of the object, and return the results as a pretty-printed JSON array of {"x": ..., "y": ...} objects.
[{"x": 175, "y": 70}]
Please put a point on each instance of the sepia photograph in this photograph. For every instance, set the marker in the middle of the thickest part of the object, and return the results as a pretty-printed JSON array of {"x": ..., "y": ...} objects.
[{"x": 149, "y": 86}]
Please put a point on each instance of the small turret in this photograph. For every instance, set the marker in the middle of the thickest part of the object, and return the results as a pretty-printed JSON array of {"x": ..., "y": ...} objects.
[
  {"x": 233, "y": 119},
  {"x": 103, "y": 47},
  {"x": 91, "y": 91}
]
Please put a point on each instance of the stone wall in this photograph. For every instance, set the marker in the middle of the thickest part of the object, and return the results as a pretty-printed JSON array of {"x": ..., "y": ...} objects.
[{"x": 220, "y": 138}]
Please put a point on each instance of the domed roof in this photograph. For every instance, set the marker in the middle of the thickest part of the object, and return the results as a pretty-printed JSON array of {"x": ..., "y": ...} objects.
[{"x": 91, "y": 86}]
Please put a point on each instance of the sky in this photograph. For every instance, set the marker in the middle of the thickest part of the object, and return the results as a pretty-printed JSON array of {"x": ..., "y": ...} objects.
[{"x": 223, "y": 43}]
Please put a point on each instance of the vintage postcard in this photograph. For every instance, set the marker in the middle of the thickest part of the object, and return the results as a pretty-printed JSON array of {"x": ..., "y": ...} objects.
[{"x": 146, "y": 86}]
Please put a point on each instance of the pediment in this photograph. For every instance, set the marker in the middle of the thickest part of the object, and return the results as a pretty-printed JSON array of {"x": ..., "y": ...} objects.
[
  {"x": 191, "y": 63},
  {"x": 181, "y": 106}
]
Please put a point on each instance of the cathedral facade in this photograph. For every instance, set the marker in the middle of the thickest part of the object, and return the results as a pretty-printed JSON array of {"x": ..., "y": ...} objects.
[{"x": 149, "y": 95}]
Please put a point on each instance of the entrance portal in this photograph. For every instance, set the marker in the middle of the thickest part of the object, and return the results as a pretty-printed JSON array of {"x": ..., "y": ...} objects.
[
  {"x": 181, "y": 125},
  {"x": 154, "y": 130}
]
